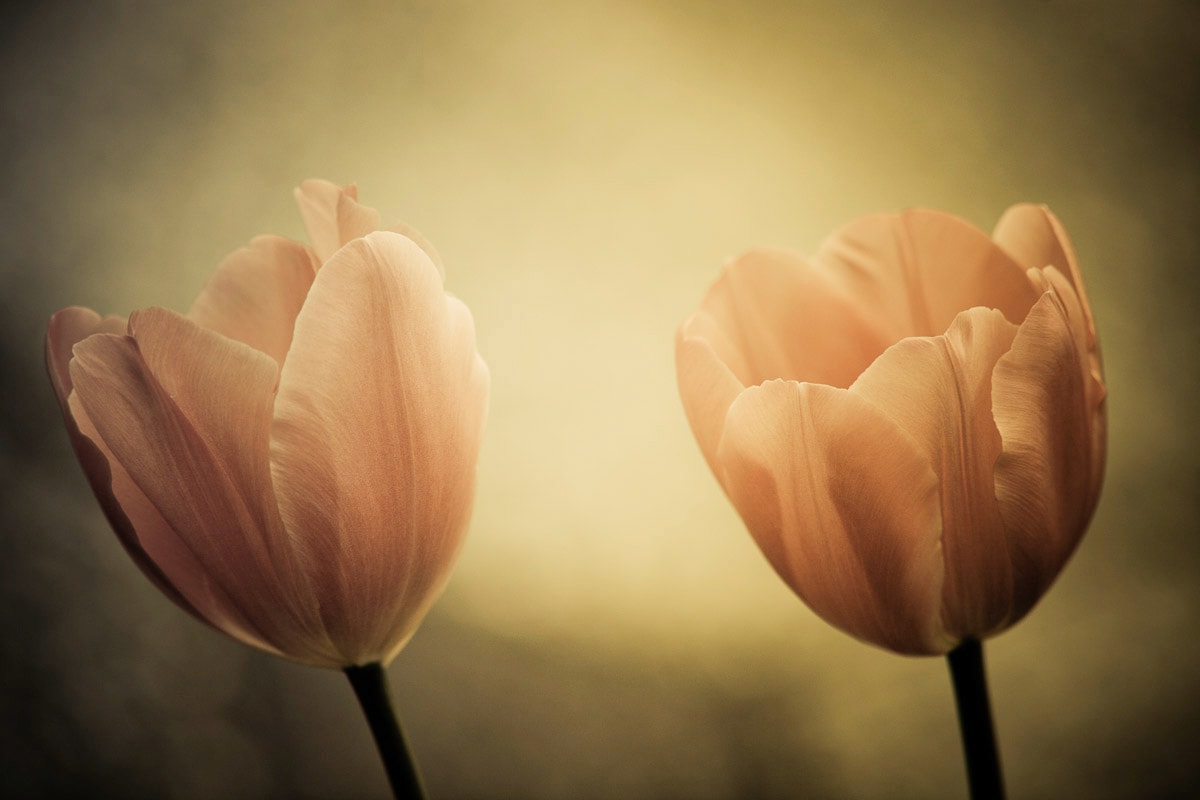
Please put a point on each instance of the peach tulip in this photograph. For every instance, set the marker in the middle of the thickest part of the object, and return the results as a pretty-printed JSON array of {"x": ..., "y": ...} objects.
[
  {"x": 911, "y": 423},
  {"x": 293, "y": 460}
]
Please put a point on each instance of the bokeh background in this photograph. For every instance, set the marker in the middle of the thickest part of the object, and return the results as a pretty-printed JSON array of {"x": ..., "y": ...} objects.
[{"x": 584, "y": 169}]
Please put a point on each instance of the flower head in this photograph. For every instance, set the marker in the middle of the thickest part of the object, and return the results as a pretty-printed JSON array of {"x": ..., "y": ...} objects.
[
  {"x": 293, "y": 460},
  {"x": 911, "y": 423}
]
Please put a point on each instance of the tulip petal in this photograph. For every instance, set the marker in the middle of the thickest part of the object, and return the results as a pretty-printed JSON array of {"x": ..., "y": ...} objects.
[
  {"x": 319, "y": 201},
  {"x": 1036, "y": 239},
  {"x": 845, "y": 508},
  {"x": 707, "y": 385},
  {"x": 1044, "y": 475},
  {"x": 938, "y": 390},
  {"x": 354, "y": 220},
  {"x": 404, "y": 229},
  {"x": 333, "y": 216},
  {"x": 256, "y": 293},
  {"x": 154, "y": 545},
  {"x": 919, "y": 268},
  {"x": 377, "y": 429},
  {"x": 108, "y": 480},
  {"x": 186, "y": 412},
  {"x": 67, "y": 328},
  {"x": 784, "y": 319},
  {"x": 151, "y": 543},
  {"x": 1090, "y": 368}
]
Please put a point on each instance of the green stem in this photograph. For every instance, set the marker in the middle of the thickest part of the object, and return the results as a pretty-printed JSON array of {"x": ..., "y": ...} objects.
[
  {"x": 371, "y": 688},
  {"x": 975, "y": 721}
]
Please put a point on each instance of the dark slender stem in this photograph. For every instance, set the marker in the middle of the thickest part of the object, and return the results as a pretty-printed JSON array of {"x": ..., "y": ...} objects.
[
  {"x": 371, "y": 687},
  {"x": 975, "y": 721}
]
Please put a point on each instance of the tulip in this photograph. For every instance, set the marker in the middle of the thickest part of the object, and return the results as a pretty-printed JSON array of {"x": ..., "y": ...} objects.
[
  {"x": 912, "y": 426},
  {"x": 293, "y": 460},
  {"x": 911, "y": 423}
]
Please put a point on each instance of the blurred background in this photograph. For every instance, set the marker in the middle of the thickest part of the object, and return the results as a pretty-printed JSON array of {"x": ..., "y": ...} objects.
[{"x": 584, "y": 169}]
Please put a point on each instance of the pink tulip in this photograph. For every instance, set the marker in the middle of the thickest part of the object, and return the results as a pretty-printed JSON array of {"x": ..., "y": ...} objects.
[
  {"x": 293, "y": 460},
  {"x": 911, "y": 423}
]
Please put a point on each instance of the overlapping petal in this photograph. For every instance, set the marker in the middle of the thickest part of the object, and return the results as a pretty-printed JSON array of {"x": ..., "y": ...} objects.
[
  {"x": 67, "y": 328},
  {"x": 758, "y": 321},
  {"x": 1036, "y": 239},
  {"x": 845, "y": 507},
  {"x": 1042, "y": 409},
  {"x": 323, "y": 206},
  {"x": 707, "y": 384},
  {"x": 374, "y": 456},
  {"x": 939, "y": 390},
  {"x": 782, "y": 318},
  {"x": 151, "y": 543},
  {"x": 917, "y": 269},
  {"x": 256, "y": 293},
  {"x": 186, "y": 412},
  {"x": 333, "y": 216},
  {"x": 1035, "y": 236}
]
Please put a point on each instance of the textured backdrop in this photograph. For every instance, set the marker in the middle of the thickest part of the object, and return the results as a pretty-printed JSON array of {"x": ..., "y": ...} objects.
[{"x": 584, "y": 169}]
